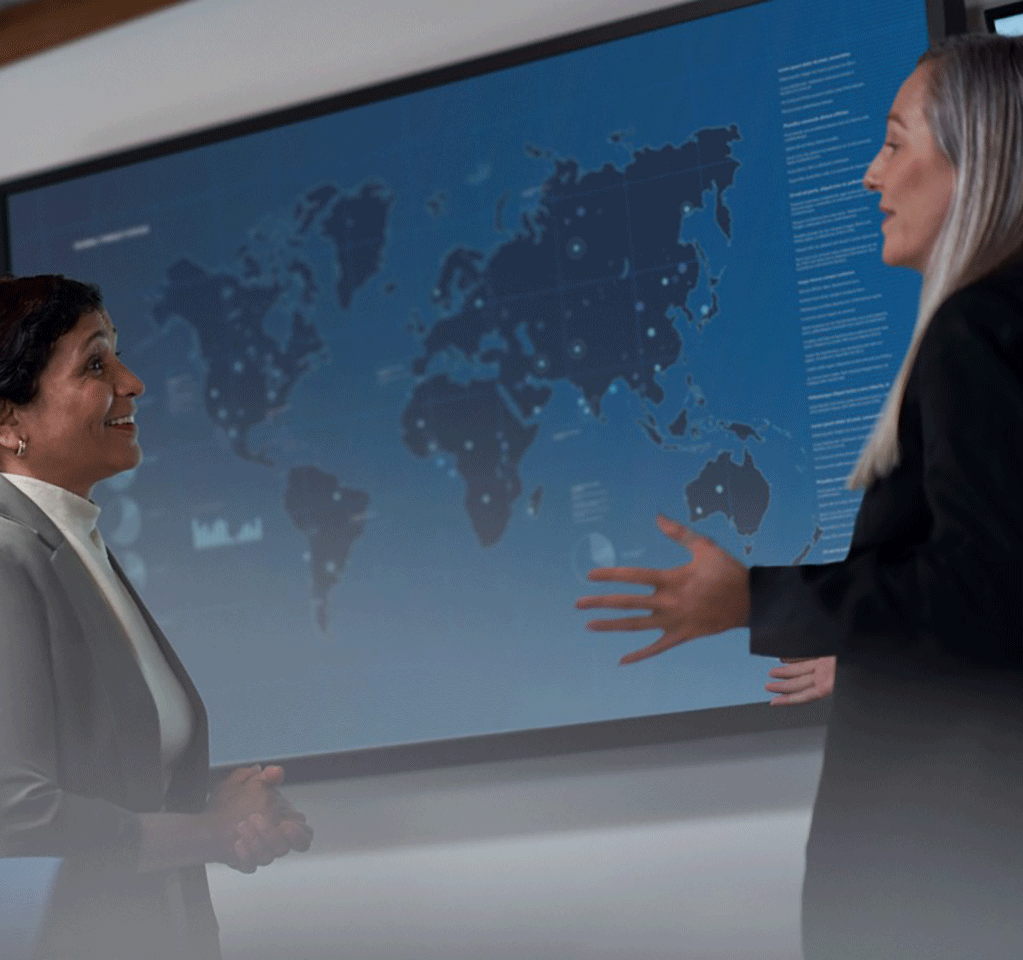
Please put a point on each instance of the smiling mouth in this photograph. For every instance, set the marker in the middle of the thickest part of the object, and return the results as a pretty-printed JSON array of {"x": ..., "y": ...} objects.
[{"x": 128, "y": 421}]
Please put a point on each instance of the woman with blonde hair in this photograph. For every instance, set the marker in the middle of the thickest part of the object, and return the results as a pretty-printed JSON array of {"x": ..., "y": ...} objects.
[{"x": 914, "y": 847}]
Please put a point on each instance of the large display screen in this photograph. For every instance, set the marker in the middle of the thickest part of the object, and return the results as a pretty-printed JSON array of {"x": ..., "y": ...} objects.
[{"x": 417, "y": 362}]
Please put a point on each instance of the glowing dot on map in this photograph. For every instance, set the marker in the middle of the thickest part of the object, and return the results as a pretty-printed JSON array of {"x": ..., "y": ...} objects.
[
  {"x": 576, "y": 248},
  {"x": 580, "y": 211},
  {"x": 613, "y": 388},
  {"x": 698, "y": 510},
  {"x": 485, "y": 498},
  {"x": 468, "y": 444},
  {"x": 651, "y": 332},
  {"x": 238, "y": 366},
  {"x": 214, "y": 393},
  {"x": 687, "y": 208},
  {"x": 577, "y": 349},
  {"x": 657, "y": 368},
  {"x": 336, "y": 495},
  {"x": 420, "y": 424},
  {"x": 640, "y": 306},
  {"x": 433, "y": 446},
  {"x": 479, "y": 302},
  {"x": 440, "y": 462},
  {"x": 271, "y": 394},
  {"x": 436, "y": 291},
  {"x": 719, "y": 489},
  {"x": 664, "y": 281},
  {"x": 682, "y": 267},
  {"x": 537, "y": 411},
  {"x": 222, "y": 413},
  {"x": 705, "y": 309},
  {"x": 330, "y": 566}
]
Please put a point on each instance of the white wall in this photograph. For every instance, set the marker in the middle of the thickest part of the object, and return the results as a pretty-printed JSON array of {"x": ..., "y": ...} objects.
[{"x": 693, "y": 850}]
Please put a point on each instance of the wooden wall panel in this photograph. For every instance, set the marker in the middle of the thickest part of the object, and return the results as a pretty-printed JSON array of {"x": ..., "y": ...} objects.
[{"x": 30, "y": 28}]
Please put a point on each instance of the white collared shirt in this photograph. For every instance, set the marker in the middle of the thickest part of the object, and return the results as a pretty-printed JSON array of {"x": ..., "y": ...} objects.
[{"x": 76, "y": 519}]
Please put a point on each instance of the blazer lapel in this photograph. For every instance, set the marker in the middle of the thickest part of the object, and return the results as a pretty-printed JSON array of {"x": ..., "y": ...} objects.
[
  {"x": 127, "y": 693},
  {"x": 188, "y": 787}
]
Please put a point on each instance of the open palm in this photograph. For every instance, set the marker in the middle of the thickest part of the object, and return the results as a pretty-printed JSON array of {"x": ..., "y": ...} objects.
[{"x": 708, "y": 595}]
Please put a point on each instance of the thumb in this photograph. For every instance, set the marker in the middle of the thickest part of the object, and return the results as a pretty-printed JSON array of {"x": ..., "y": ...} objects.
[
  {"x": 241, "y": 774},
  {"x": 272, "y": 775}
]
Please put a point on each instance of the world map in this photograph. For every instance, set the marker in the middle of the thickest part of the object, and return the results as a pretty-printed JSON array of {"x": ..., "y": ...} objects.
[{"x": 596, "y": 287}]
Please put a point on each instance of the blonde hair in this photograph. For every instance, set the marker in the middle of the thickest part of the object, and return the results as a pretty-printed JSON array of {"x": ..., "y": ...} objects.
[{"x": 975, "y": 113}]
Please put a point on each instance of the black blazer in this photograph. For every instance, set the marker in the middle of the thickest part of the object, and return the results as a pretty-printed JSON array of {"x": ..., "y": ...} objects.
[
  {"x": 915, "y": 846},
  {"x": 80, "y": 756}
]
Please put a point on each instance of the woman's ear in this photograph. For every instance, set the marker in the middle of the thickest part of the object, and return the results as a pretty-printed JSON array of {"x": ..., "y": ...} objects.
[{"x": 9, "y": 437}]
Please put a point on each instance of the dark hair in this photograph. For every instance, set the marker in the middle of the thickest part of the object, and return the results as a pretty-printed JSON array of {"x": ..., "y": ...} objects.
[{"x": 35, "y": 312}]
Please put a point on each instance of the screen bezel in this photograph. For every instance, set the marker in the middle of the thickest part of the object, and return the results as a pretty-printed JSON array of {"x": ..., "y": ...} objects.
[
  {"x": 944, "y": 17},
  {"x": 993, "y": 14}
]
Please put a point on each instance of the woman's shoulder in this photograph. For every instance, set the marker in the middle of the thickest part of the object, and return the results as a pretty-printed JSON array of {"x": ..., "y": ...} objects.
[
  {"x": 989, "y": 309},
  {"x": 995, "y": 297}
]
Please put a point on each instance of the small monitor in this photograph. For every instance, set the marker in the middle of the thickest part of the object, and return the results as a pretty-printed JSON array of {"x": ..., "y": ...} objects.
[{"x": 1006, "y": 19}]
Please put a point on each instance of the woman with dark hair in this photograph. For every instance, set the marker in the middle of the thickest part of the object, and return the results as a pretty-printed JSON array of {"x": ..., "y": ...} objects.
[
  {"x": 914, "y": 848},
  {"x": 104, "y": 757}
]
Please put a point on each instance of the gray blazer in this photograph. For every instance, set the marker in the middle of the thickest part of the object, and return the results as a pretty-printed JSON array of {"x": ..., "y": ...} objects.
[{"x": 80, "y": 756}]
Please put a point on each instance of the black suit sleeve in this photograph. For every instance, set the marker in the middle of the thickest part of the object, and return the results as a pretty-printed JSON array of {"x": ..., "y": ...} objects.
[{"x": 959, "y": 593}]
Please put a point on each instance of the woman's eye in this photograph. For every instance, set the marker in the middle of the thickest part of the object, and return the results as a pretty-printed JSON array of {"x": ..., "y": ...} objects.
[{"x": 95, "y": 365}]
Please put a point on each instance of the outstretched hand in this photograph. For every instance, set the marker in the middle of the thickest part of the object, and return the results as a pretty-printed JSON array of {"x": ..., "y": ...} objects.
[{"x": 708, "y": 595}]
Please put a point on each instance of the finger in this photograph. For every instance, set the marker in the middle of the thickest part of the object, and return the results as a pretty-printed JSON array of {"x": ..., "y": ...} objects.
[
  {"x": 787, "y": 673},
  {"x": 624, "y": 623},
  {"x": 791, "y": 699},
  {"x": 796, "y": 659},
  {"x": 681, "y": 534},
  {"x": 240, "y": 775},
  {"x": 272, "y": 775},
  {"x": 299, "y": 836},
  {"x": 287, "y": 812},
  {"x": 616, "y": 601},
  {"x": 790, "y": 686},
  {"x": 665, "y": 643},
  {"x": 273, "y": 837},
  {"x": 644, "y": 576},
  {"x": 243, "y": 859},
  {"x": 261, "y": 853}
]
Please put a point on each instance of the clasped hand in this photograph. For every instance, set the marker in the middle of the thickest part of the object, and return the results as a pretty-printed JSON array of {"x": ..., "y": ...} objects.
[
  {"x": 252, "y": 822},
  {"x": 708, "y": 595}
]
